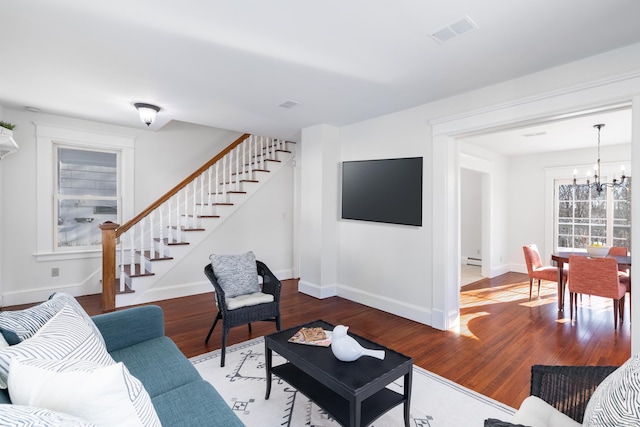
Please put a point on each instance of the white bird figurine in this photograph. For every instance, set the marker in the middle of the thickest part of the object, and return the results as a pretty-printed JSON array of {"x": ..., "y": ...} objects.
[{"x": 347, "y": 349}]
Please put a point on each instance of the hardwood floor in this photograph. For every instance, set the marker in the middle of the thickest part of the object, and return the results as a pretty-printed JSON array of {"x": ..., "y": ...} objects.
[{"x": 501, "y": 332}]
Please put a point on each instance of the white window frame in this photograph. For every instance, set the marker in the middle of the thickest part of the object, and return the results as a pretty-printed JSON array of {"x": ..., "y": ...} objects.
[
  {"x": 48, "y": 137},
  {"x": 57, "y": 197},
  {"x": 553, "y": 176}
]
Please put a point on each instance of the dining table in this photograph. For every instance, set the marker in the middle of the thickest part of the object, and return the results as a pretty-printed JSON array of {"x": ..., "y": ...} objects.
[{"x": 562, "y": 257}]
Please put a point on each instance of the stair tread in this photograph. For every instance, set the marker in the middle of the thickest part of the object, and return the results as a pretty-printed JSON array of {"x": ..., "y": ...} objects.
[
  {"x": 127, "y": 270},
  {"x": 183, "y": 228},
  {"x": 156, "y": 256},
  {"x": 172, "y": 242}
]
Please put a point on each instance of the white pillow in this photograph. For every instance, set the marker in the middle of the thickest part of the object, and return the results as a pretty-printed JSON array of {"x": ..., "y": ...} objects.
[
  {"x": 65, "y": 336},
  {"x": 18, "y": 415},
  {"x": 236, "y": 274},
  {"x": 616, "y": 401},
  {"x": 103, "y": 395},
  {"x": 536, "y": 412}
]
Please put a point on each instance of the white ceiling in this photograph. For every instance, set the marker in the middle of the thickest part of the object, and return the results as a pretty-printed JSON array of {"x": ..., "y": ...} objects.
[
  {"x": 228, "y": 64},
  {"x": 560, "y": 134}
]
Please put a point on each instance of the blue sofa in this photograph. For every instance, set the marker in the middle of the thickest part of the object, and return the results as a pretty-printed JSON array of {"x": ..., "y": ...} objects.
[{"x": 180, "y": 396}]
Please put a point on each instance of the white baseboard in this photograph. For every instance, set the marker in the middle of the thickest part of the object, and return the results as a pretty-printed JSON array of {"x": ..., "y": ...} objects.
[
  {"x": 43, "y": 294},
  {"x": 317, "y": 291},
  {"x": 393, "y": 306},
  {"x": 166, "y": 292}
]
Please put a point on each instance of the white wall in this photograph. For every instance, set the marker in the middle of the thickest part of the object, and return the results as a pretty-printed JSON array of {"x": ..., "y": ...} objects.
[
  {"x": 162, "y": 159},
  {"x": 414, "y": 272},
  {"x": 470, "y": 214}
]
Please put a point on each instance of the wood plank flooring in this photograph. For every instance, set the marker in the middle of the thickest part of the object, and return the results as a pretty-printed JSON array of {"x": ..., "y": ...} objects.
[{"x": 501, "y": 333}]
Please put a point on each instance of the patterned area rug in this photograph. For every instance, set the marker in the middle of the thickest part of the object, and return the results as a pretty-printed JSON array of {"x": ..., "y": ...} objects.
[{"x": 435, "y": 401}]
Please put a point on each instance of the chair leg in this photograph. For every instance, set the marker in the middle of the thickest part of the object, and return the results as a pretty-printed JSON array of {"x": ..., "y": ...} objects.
[
  {"x": 530, "y": 287},
  {"x": 571, "y": 298},
  {"x": 278, "y": 322},
  {"x": 249, "y": 327},
  {"x": 223, "y": 348},
  {"x": 538, "y": 289},
  {"x": 218, "y": 317},
  {"x": 616, "y": 304}
]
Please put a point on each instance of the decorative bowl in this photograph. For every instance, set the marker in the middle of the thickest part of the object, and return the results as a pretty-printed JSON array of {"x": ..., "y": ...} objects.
[{"x": 598, "y": 251}]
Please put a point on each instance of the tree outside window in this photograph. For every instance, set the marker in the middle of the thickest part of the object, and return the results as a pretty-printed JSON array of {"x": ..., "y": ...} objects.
[{"x": 584, "y": 217}]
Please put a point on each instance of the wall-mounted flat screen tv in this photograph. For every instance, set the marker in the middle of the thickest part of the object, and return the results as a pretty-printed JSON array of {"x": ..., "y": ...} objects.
[{"x": 386, "y": 190}]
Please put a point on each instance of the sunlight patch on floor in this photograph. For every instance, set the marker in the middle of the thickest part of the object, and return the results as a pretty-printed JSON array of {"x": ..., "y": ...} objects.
[
  {"x": 465, "y": 319},
  {"x": 538, "y": 302}
]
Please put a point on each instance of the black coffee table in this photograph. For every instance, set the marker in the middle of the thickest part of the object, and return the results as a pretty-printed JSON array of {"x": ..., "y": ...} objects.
[{"x": 354, "y": 393}]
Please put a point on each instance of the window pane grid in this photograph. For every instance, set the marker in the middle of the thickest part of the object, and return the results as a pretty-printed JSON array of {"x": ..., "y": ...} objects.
[
  {"x": 584, "y": 217},
  {"x": 86, "y": 195}
]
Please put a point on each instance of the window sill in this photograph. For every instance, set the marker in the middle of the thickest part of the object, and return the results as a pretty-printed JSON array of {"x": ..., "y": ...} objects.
[{"x": 67, "y": 255}]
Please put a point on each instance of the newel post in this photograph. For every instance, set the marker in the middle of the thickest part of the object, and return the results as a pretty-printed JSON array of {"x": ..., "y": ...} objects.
[{"x": 108, "y": 301}]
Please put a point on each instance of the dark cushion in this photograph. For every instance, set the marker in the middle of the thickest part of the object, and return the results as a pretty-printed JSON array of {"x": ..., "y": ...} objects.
[{"x": 492, "y": 422}]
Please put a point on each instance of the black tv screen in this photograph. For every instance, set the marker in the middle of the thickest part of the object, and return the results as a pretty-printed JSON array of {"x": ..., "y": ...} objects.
[{"x": 387, "y": 190}]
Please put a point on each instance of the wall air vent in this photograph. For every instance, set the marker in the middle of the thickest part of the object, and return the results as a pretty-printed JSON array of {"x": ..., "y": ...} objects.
[{"x": 453, "y": 30}]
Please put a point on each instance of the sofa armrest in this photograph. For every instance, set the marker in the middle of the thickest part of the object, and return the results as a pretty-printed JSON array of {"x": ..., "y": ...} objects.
[
  {"x": 568, "y": 388},
  {"x": 130, "y": 326}
]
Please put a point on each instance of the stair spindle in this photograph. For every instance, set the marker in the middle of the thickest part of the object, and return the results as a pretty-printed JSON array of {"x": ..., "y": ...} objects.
[
  {"x": 132, "y": 252},
  {"x": 151, "y": 241},
  {"x": 142, "y": 233},
  {"x": 161, "y": 249},
  {"x": 121, "y": 281},
  {"x": 225, "y": 159},
  {"x": 217, "y": 181}
]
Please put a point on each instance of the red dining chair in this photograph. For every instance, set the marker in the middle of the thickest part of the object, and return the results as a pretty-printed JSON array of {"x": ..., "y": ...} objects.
[
  {"x": 623, "y": 273},
  {"x": 599, "y": 277},
  {"x": 625, "y": 279},
  {"x": 538, "y": 271}
]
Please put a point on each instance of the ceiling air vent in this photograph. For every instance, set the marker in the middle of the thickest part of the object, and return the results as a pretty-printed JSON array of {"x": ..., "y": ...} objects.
[{"x": 451, "y": 31}]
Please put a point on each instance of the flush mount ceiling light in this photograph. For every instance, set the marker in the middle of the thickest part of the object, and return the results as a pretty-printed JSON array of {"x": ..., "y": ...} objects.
[{"x": 147, "y": 112}]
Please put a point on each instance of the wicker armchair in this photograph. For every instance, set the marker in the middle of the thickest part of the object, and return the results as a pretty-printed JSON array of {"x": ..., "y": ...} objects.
[
  {"x": 245, "y": 315},
  {"x": 568, "y": 388}
]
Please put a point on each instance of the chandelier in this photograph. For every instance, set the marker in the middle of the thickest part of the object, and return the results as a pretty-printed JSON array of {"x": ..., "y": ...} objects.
[{"x": 597, "y": 184}]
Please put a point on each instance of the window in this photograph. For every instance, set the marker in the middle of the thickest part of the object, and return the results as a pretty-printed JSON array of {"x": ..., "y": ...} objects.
[
  {"x": 583, "y": 216},
  {"x": 84, "y": 178},
  {"x": 87, "y": 194}
]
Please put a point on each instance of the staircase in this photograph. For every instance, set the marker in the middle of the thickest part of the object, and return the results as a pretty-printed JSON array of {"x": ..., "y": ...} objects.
[{"x": 137, "y": 253}]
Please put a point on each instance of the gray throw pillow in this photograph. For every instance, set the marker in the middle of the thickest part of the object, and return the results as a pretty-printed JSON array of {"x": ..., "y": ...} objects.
[{"x": 236, "y": 274}]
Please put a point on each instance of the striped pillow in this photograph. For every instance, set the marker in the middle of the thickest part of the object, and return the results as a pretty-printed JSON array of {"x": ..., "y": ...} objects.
[
  {"x": 29, "y": 416},
  {"x": 616, "y": 401},
  {"x": 65, "y": 336},
  {"x": 17, "y": 326},
  {"x": 104, "y": 395}
]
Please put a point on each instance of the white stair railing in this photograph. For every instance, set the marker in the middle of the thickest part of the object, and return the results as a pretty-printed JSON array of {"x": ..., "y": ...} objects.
[{"x": 184, "y": 210}]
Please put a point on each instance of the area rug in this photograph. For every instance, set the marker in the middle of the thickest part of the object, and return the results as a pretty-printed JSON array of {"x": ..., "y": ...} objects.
[{"x": 435, "y": 401}]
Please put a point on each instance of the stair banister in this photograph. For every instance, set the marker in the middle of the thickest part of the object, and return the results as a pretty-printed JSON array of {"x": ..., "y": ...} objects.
[{"x": 111, "y": 231}]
